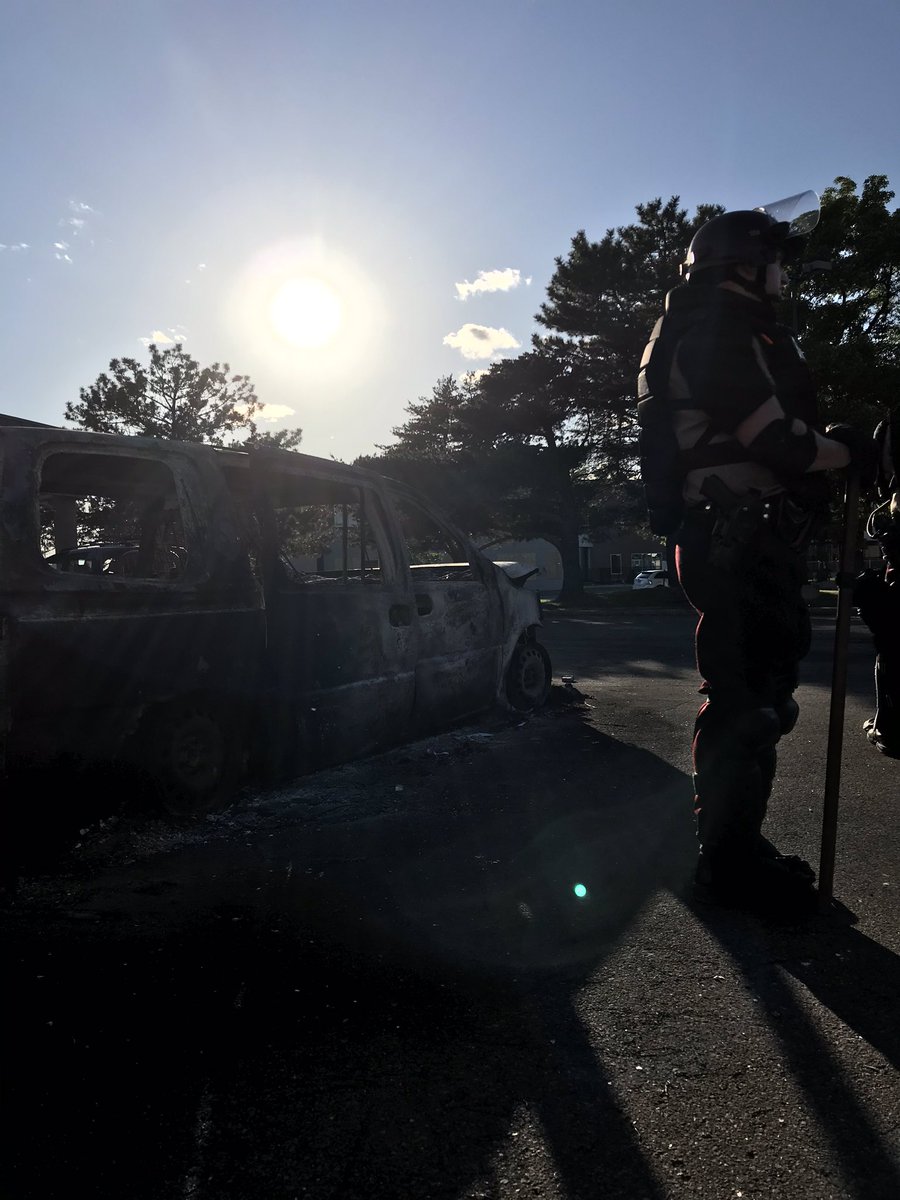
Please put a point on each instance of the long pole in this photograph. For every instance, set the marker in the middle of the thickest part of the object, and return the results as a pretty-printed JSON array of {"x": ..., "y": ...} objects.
[{"x": 838, "y": 688}]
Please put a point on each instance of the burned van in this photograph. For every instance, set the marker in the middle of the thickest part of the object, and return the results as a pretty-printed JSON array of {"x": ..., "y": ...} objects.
[{"x": 208, "y": 614}]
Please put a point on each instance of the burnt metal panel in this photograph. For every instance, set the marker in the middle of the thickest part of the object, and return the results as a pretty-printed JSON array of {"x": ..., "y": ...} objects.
[
  {"x": 87, "y": 655},
  {"x": 461, "y": 621},
  {"x": 341, "y": 656},
  {"x": 343, "y": 661}
]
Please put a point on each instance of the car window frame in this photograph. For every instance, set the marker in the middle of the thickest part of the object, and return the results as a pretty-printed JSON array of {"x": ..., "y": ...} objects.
[{"x": 195, "y": 570}]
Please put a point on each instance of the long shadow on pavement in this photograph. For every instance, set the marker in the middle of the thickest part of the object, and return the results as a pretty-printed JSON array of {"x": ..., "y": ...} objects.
[
  {"x": 377, "y": 1010},
  {"x": 855, "y": 978},
  {"x": 372, "y": 1024}
]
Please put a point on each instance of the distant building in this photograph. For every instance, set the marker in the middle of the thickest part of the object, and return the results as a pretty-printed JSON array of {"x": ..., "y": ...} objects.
[{"x": 619, "y": 559}]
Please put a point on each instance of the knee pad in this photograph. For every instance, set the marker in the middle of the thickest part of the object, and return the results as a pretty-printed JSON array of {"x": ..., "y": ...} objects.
[
  {"x": 756, "y": 728},
  {"x": 787, "y": 712}
]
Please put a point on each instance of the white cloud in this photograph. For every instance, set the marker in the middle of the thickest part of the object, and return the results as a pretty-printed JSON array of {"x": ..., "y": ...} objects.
[
  {"x": 15, "y": 246},
  {"x": 162, "y": 337},
  {"x": 491, "y": 281},
  {"x": 275, "y": 412},
  {"x": 480, "y": 341},
  {"x": 75, "y": 221},
  {"x": 75, "y": 225},
  {"x": 270, "y": 413}
]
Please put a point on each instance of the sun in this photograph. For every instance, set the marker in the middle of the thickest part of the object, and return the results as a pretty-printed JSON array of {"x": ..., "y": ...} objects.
[
  {"x": 309, "y": 310},
  {"x": 306, "y": 312}
]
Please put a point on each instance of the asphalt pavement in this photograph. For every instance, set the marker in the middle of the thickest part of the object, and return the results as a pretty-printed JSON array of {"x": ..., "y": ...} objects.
[{"x": 470, "y": 968}]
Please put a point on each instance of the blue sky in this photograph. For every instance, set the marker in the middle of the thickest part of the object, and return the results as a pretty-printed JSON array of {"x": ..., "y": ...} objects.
[{"x": 198, "y": 170}]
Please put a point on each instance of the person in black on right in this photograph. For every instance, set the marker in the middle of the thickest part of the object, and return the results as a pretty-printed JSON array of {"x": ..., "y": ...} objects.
[
  {"x": 877, "y": 593},
  {"x": 748, "y": 496}
]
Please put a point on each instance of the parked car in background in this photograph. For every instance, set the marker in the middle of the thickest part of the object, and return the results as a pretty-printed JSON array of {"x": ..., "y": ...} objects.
[
  {"x": 209, "y": 614},
  {"x": 650, "y": 579}
]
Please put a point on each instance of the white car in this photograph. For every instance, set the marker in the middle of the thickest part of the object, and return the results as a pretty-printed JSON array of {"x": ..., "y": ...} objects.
[{"x": 651, "y": 579}]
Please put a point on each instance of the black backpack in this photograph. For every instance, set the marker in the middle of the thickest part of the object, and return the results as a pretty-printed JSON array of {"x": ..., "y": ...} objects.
[{"x": 662, "y": 465}]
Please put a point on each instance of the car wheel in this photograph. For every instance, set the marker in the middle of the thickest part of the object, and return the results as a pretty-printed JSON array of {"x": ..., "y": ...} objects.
[
  {"x": 193, "y": 757},
  {"x": 528, "y": 676}
]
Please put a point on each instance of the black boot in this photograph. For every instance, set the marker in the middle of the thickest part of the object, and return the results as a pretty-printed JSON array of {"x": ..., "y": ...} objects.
[{"x": 780, "y": 887}]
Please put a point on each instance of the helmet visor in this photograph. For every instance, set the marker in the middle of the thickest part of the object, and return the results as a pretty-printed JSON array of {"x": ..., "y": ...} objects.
[{"x": 800, "y": 213}]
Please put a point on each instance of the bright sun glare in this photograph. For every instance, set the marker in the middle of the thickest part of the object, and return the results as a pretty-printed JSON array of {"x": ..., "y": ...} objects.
[
  {"x": 306, "y": 312},
  {"x": 309, "y": 311}
]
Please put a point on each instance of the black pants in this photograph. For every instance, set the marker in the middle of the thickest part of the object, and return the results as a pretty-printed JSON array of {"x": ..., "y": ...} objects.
[{"x": 752, "y": 632}]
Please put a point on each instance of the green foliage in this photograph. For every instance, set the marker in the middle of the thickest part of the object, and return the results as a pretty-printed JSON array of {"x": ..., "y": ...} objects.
[
  {"x": 436, "y": 431},
  {"x": 282, "y": 439},
  {"x": 174, "y": 398},
  {"x": 305, "y": 529},
  {"x": 434, "y": 452},
  {"x": 539, "y": 397},
  {"x": 849, "y": 315},
  {"x": 98, "y": 519}
]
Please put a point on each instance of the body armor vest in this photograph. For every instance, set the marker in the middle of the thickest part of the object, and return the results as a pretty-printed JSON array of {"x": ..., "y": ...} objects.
[{"x": 664, "y": 462}]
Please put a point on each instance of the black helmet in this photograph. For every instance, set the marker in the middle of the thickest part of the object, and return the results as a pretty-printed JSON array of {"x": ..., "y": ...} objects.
[{"x": 746, "y": 236}]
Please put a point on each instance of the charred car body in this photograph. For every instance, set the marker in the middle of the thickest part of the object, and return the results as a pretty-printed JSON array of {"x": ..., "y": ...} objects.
[{"x": 203, "y": 613}]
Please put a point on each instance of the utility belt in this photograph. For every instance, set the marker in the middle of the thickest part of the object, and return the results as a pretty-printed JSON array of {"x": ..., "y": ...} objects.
[{"x": 737, "y": 521}]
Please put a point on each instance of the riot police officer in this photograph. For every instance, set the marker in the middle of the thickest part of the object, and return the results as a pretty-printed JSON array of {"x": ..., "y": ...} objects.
[{"x": 748, "y": 460}]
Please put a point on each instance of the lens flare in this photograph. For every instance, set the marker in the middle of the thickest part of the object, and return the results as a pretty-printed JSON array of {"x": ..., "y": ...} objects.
[{"x": 580, "y": 890}]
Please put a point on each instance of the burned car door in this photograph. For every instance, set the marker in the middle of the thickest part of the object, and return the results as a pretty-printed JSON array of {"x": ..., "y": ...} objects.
[
  {"x": 458, "y": 612},
  {"x": 135, "y": 625},
  {"x": 341, "y": 635}
]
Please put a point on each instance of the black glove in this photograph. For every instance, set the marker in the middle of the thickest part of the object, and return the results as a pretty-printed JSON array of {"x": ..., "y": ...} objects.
[{"x": 863, "y": 449}]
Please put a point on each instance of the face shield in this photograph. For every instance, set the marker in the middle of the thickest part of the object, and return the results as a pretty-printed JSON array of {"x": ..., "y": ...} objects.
[
  {"x": 800, "y": 213},
  {"x": 797, "y": 216}
]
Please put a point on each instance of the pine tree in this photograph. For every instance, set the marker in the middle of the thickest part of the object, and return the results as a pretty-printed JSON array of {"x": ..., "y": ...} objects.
[{"x": 174, "y": 398}]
